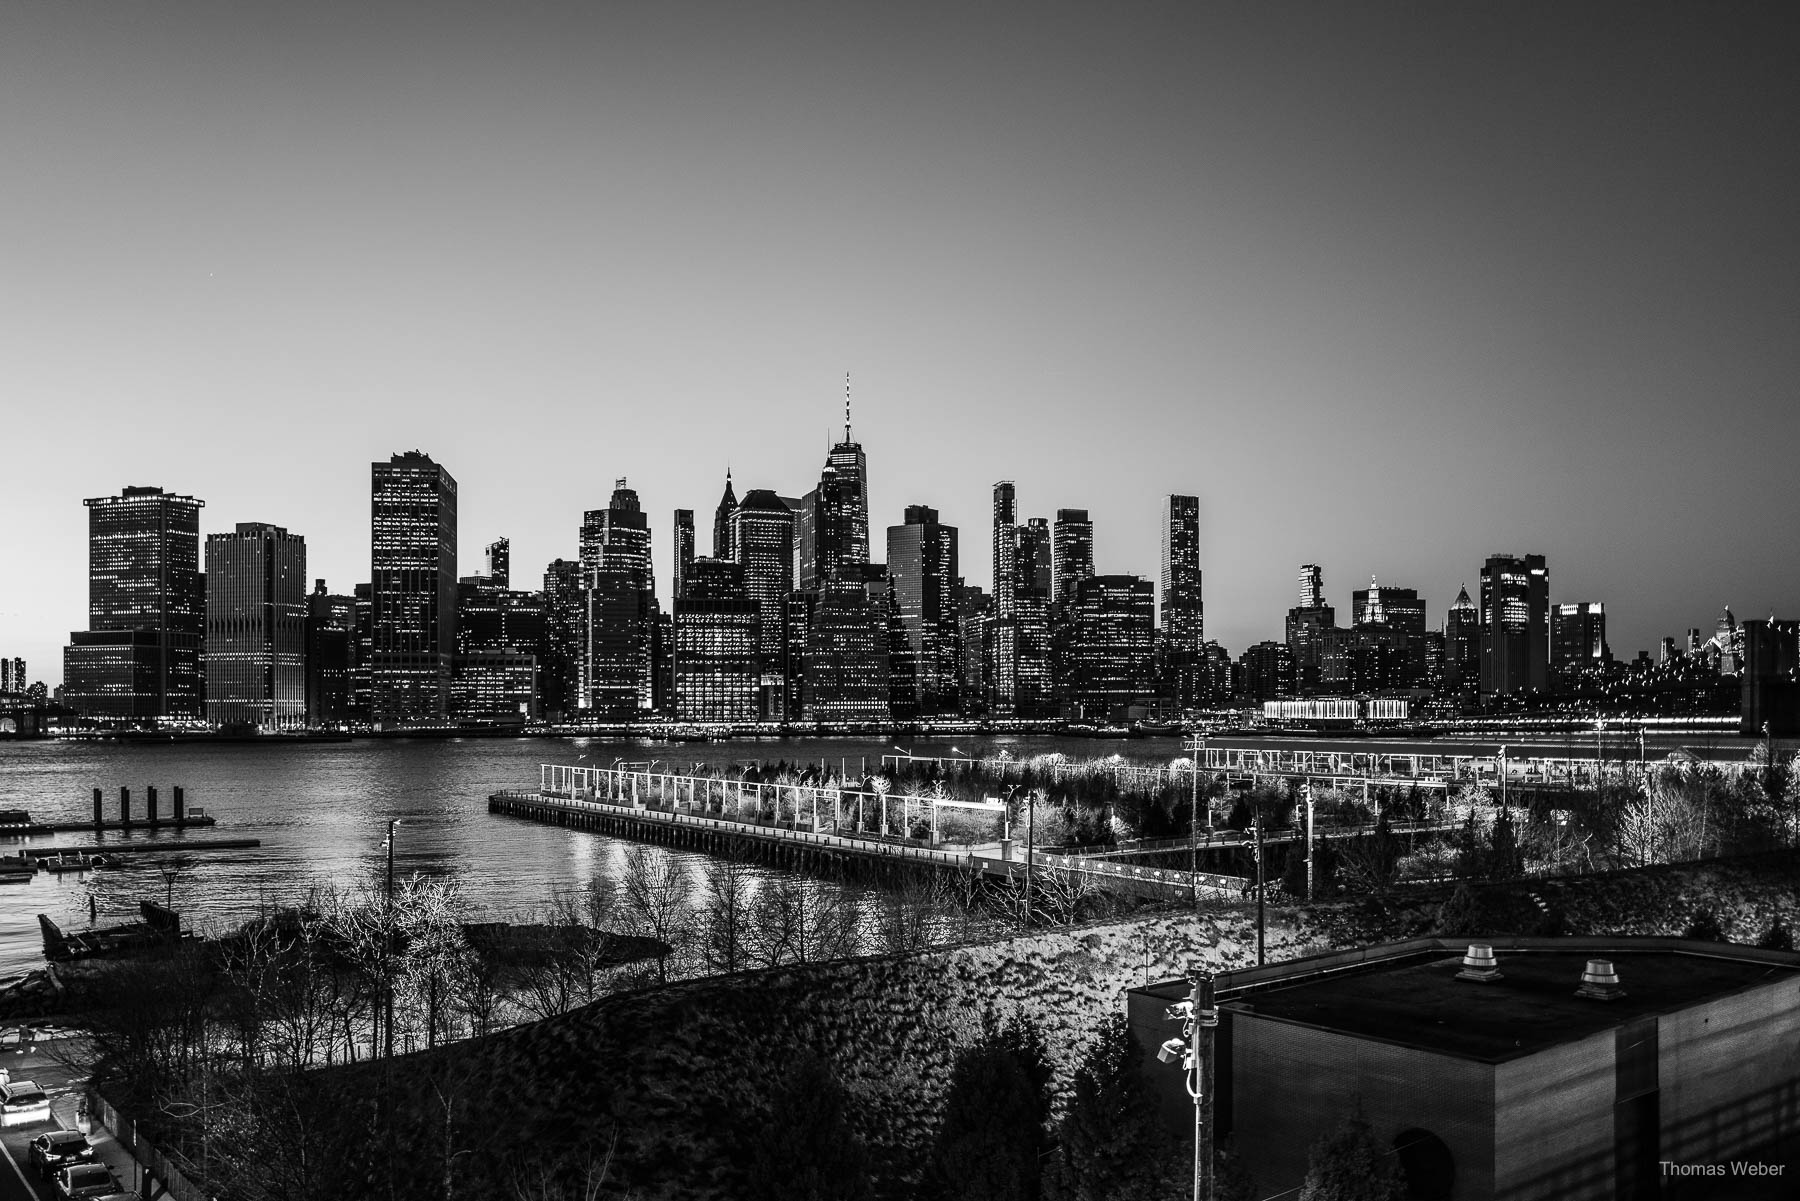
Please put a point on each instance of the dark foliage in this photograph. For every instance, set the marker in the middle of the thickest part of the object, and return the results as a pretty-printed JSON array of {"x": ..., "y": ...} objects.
[
  {"x": 806, "y": 1150},
  {"x": 1111, "y": 1145}
]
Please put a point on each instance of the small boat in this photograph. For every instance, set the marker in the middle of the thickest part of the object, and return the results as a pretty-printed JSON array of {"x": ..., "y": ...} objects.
[{"x": 1156, "y": 728}]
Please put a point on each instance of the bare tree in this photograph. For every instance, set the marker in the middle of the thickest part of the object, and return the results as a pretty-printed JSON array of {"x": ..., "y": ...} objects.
[
  {"x": 726, "y": 888},
  {"x": 656, "y": 900}
]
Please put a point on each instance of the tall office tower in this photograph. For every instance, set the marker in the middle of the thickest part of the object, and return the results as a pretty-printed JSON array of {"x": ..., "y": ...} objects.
[
  {"x": 1034, "y": 686},
  {"x": 1114, "y": 619},
  {"x": 330, "y": 655},
  {"x": 1312, "y": 586},
  {"x": 619, "y": 609},
  {"x": 1392, "y": 619},
  {"x": 500, "y": 645},
  {"x": 1515, "y": 626},
  {"x": 846, "y": 458},
  {"x": 1578, "y": 640},
  {"x": 140, "y": 655},
  {"x": 763, "y": 541},
  {"x": 826, "y": 532},
  {"x": 974, "y": 654},
  {"x": 1462, "y": 645},
  {"x": 722, "y": 520},
  {"x": 1033, "y": 557},
  {"x": 499, "y": 563},
  {"x": 1183, "y": 607},
  {"x": 1266, "y": 672},
  {"x": 362, "y": 687},
  {"x": 1729, "y": 643},
  {"x": 412, "y": 566},
  {"x": 715, "y": 660},
  {"x": 1310, "y": 635},
  {"x": 256, "y": 627},
  {"x": 847, "y": 653},
  {"x": 559, "y": 672},
  {"x": 797, "y": 609},
  {"x": 684, "y": 550},
  {"x": 6, "y": 676},
  {"x": 1072, "y": 548},
  {"x": 921, "y": 565},
  {"x": 1006, "y": 541}
]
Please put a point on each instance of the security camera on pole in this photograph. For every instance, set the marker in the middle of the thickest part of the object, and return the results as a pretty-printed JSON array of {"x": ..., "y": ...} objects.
[{"x": 1199, "y": 1017}]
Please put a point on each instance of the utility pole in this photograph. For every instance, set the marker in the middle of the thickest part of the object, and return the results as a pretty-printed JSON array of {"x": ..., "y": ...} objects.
[
  {"x": 1309, "y": 842},
  {"x": 1199, "y": 1017}
]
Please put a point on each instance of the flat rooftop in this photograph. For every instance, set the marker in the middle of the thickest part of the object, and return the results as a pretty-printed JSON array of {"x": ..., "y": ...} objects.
[{"x": 1415, "y": 999}]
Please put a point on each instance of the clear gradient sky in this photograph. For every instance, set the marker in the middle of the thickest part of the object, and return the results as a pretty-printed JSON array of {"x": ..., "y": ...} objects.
[{"x": 1390, "y": 287}]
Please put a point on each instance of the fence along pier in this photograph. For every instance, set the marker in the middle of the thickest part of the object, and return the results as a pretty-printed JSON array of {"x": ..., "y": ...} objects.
[{"x": 810, "y": 825}]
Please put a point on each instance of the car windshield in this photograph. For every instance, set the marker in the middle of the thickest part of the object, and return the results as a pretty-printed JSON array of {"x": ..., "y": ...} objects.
[{"x": 31, "y": 1098}]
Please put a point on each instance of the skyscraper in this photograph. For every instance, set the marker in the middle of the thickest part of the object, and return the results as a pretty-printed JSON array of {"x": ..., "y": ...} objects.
[
  {"x": 1578, "y": 640},
  {"x": 763, "y": 541},
  {"x": 1312, "y": 637},
  {"x": 1515, "y": 626},
  {"x": 501, "y": 638},
  {"x": 499, "y": 563},
  {"x": 1034, "y": 557},
  {"x": 721, "y": 539},
  {"x": 715, "y": 656},
  {"x": 559, "y": 674},
  {"x": 140, "y": 655},
  {"x": 684, "y": 551},
  {"x": 1114, "y": 619},
  {"x": 1183, "y": 609},
  {"x": 1312, "y": 586},
  {"x": 412, "y": 570},
  {"x": 256, "y": 627},
  {"x": 619, "y": 609},
  {"x": 330, "y": 655},
  {"x": 1462, "y": 645},
  {"x": 1392, "y": 619},
  {"x": 921, "y": 564},
  {"x": 1005, "y": 548},
  {"x": 847, "y": 655},
  {"x": 1072, "y": 543},
  {"x": 846, "y": 459}
]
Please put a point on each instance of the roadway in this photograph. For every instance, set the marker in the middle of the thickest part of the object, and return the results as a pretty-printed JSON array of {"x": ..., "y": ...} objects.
[{"x": 1719, "y": 747}]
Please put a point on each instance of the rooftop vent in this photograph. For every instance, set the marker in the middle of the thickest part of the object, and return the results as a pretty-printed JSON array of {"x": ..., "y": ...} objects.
[
  {"x": 1479, "y": 964},
  {"x": 1599, "y": 982}
]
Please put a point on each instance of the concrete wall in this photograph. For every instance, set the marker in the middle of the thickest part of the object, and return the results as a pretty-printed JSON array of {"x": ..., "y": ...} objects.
[{"x": 1293, "y": 1083}]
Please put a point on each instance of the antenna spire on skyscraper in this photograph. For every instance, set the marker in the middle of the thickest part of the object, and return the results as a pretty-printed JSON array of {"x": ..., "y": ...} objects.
[{"x": 846, "y": 406}]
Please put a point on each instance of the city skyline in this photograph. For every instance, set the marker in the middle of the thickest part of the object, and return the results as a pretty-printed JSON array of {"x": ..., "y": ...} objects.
[{"x": 1390, "y": 293}]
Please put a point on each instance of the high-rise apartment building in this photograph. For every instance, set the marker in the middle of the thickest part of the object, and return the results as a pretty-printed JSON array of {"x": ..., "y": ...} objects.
[
  {"x": 922, "y": 568},
  {"x": 412, "y": 566},
  {"x": 1183, "y": 608},
  {"x": 256, "y": 627},
  {"x": 1111, "y": 652},
  {"x": 1312, "y": 637},
  {"x": 139, "y": 658},
  {"x": 1006, "y": 538},
  {"x": 1515, "y": 626}
]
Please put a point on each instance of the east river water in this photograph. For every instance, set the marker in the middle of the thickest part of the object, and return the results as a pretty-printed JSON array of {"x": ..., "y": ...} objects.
[{"x": 321, "y": 811}]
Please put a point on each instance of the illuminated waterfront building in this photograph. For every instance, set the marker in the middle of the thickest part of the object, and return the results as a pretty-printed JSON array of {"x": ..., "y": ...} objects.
[
  {"x": 256, "y": 627},
  {"x": 847, "y": 657},
  {"x": 1266, "y": 672},
  {"x": 684, "y": 550},
  {"x": 1462, "y": 645},
  {"x": 559, "y": 673},
  {"x": 502, "y": 639},
  {"x": 1183, "y": 606},
  {"x": 1515, "y": 626},
  {"x": 716, "y": 665},
  {"x": 722, "y": 520},
  {"x": 330, "y": 656},
  {"x": 922, "y": 566},
  {"x": 1114, "y": 635},
  {"x": 139, "y": 658},
  {"x": 619, "y": 609},
  {"x": 412, "y": 571},
  {"x": 1072, "y": 553}
]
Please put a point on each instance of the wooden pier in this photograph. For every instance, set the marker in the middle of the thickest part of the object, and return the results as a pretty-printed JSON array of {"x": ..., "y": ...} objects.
[
  {"x": 144, "y": 848},
  {"x": 827, "y": 828},
  {"x": 17, "y": 823}
]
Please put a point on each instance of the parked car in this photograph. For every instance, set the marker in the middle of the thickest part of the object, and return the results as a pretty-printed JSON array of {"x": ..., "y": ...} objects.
[
  {"x": 59, "y": 1149},
  {"x": 86, "y": 1180},
  {"x": 22, "y": 1101}
]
